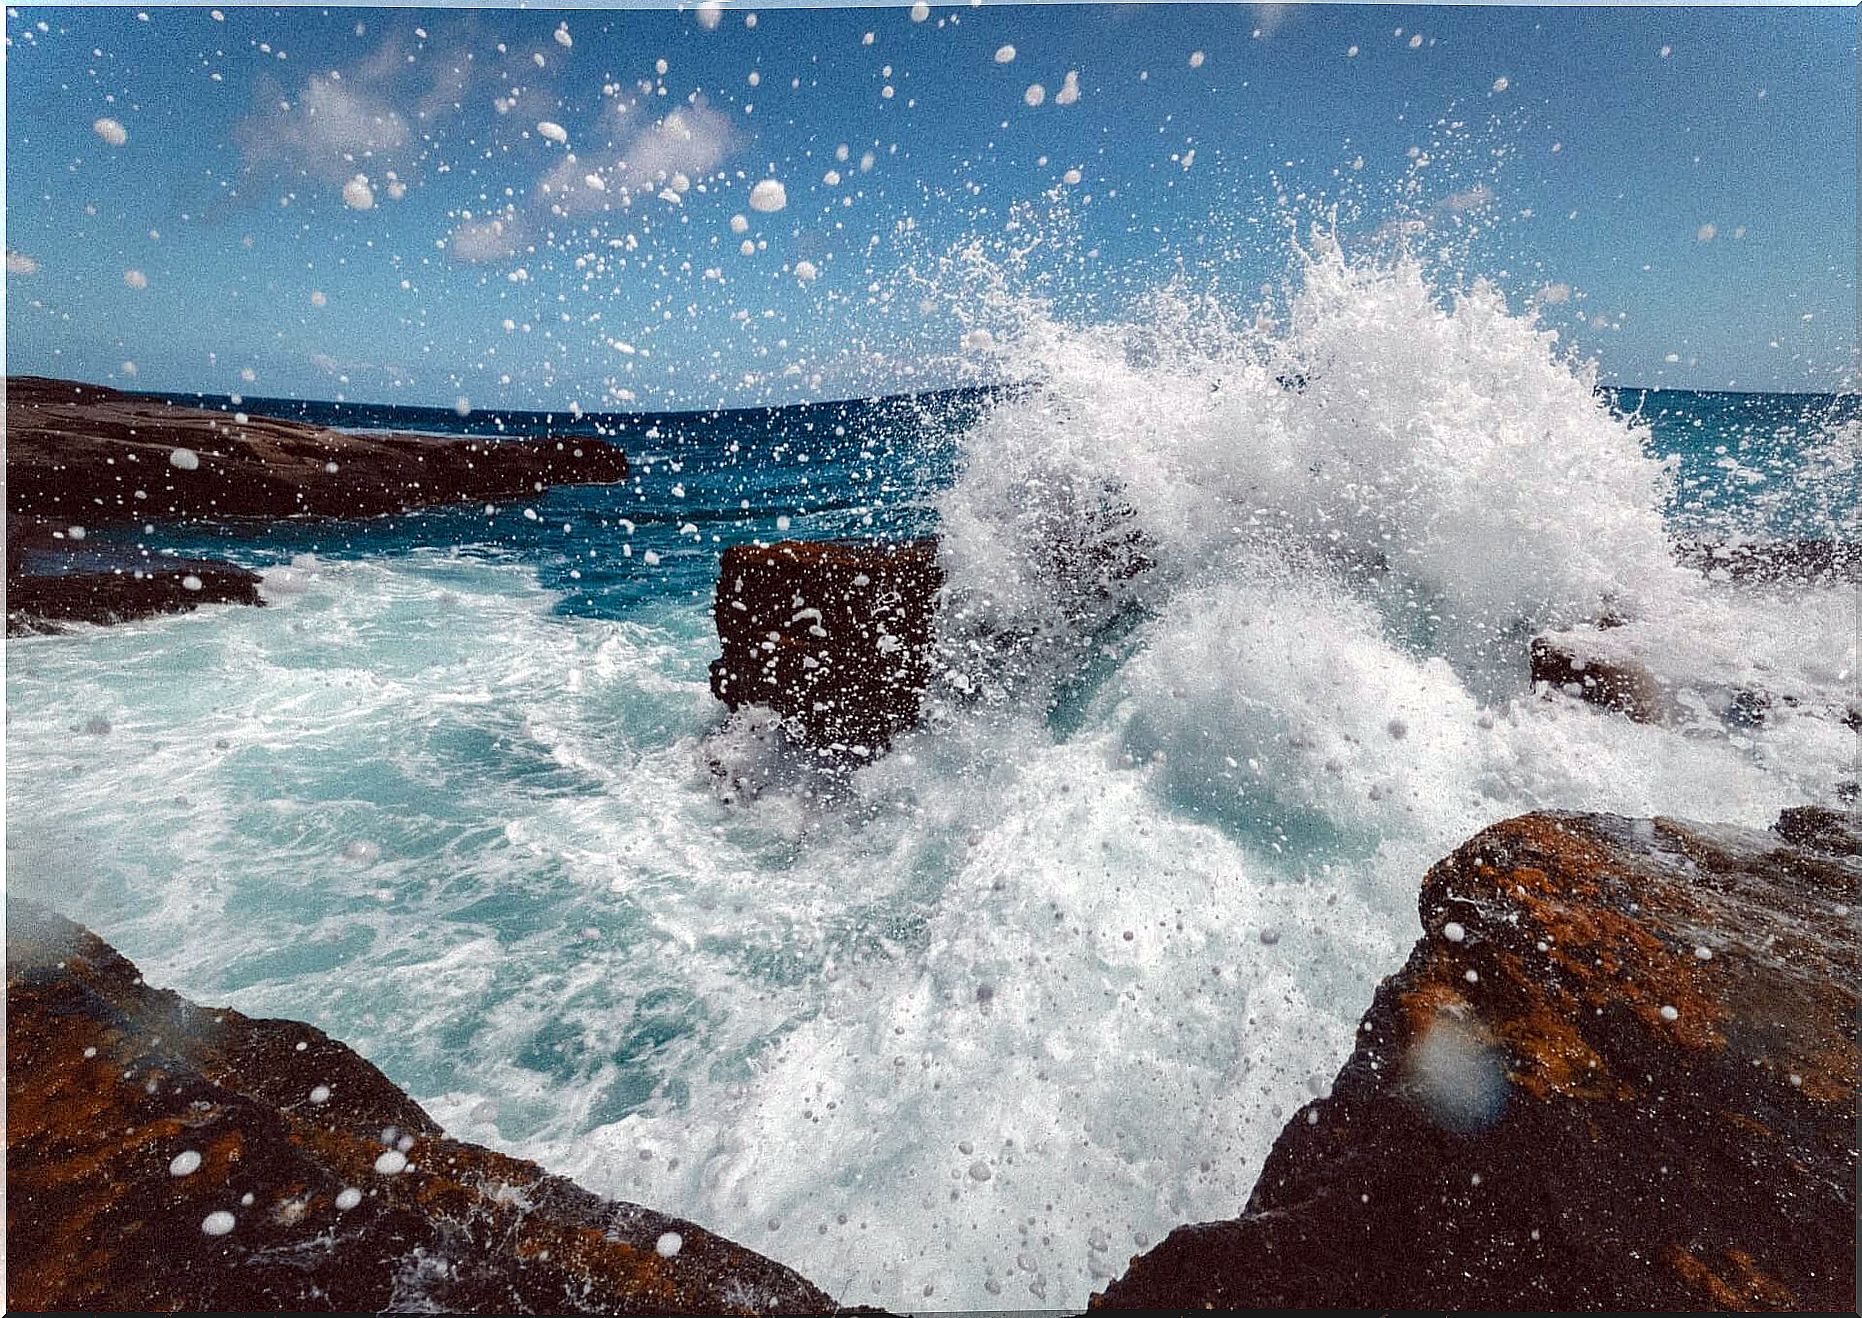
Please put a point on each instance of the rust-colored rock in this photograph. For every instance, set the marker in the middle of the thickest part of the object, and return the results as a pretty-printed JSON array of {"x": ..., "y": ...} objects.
[
  {"x": 134, "y": 1116},
  {"x": 1617, "y": 1072},
  {"x": 92, "y": 456},
  {"x": 835, "y": 636}
]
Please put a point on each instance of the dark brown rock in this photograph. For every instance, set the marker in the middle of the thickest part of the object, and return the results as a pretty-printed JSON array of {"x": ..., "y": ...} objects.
[
  {"x": 835, "y": 636},
  {"x": 1568, "y": 1107},
  {"x": 110, "y": 1081},
  {"x": 92, "y": 456},
  {"x": 1821, "y": 829},
  {"x": 1774, "y": 560},
  {"x": 1614, "y": 682},
  {"x": 74, "y": 583}
]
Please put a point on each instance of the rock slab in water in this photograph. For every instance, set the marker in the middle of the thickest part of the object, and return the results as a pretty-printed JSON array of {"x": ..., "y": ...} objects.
[
  {"x": 162, "y": 1156},
  {"x": 1567, "y": 663},
  {"x": 93, "y": 456},
  {"x": 1618, "y": 1072},
  {"x": 49, "y": 583},
  {"x": 833, "y": 635}
]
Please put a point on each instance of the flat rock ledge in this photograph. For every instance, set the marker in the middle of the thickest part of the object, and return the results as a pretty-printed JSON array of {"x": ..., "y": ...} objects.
[
  {"x": 833, "y": 635},
  {"x": 1618, "y": 1072},
  {"x": 93, "y": 456},
  {"x": 164, "y": 1156},
  {"x": 52, "y": 581}
]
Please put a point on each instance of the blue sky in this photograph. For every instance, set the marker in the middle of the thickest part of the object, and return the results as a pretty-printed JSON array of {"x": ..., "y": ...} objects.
[{"x": 552, "y": 197}]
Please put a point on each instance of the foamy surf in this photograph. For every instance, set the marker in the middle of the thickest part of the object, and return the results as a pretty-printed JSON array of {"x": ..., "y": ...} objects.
[{"x": 969, "y": 1028}]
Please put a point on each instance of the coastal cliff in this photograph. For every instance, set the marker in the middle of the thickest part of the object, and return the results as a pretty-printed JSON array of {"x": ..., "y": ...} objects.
[
  {"x": 168, "y": 1156},
  {"x": 1618, "y": 1071}
]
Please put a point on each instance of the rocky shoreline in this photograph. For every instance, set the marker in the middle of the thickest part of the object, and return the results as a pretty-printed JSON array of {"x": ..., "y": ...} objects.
[
  {"x": 167, "y": 1156},
  {"x": 82, "y": 458},
  {"x": 1617, "y": 1072}
]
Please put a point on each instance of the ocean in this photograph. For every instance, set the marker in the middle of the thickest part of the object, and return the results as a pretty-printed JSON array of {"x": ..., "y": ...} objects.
[{"x": 969, "y": 1026}]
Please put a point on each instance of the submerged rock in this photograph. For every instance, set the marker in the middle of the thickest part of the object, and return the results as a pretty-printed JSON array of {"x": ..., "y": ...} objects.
[
  {"x": 94, "y": 456},
  {"x": 1617, "y": 1072},
  {"x": 833, "y": 635},
  {"x": 164, "y": 1156}
]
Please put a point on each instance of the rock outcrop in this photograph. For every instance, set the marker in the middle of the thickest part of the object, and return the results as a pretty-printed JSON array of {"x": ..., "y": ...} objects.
[
  {"x": 51, "y": 581},
  {"x": 833, "y": 635},
  {"x": 1573, "y": 664},
  {"x": 166, "y": 1156},
  {"x": 92, "y": 456},
  {"x": 1773, "y": 560},
  {"x": 1618, "y": 1072},
  {"x": 828, "y": 675}
]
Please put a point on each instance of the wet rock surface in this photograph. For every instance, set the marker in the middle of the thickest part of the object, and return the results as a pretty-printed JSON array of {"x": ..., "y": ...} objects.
[
  {"x": 835, "y": 636},
  {"x": 1574, "y": 665},
  {"x": 52, "y": 580},
  {"x": 164, "y": 1156},
  {"x": 1617, "y": 1072},
  {"x": 92, "y": 456},
  {"x": 1774, "y": 560}
]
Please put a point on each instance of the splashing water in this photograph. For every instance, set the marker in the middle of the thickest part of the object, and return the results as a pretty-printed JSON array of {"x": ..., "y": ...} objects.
[{"x": 1233, "y": 648}]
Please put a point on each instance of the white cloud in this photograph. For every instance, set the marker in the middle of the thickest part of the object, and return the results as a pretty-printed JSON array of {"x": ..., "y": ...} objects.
[
  {"x": 486, "y": 240},
  {"x": 358, "y": 195},
  {"x": 110, "y": 131},
  {"x": 375, "y": 115},
  {"x": 331, "y": 125},
  {"x": 18, "y": 263},
  {"x": 1472, "y": 199},
  {"x": 688, "y": 143}
]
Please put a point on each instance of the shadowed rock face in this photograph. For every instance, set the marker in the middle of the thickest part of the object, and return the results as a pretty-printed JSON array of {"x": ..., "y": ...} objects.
[
  {"x": 134, "y": 1117},
  {"x": 835, "y": 636},
  {"x": 93, "y": 457},
  {"x": 1618, "y": 1072}
]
